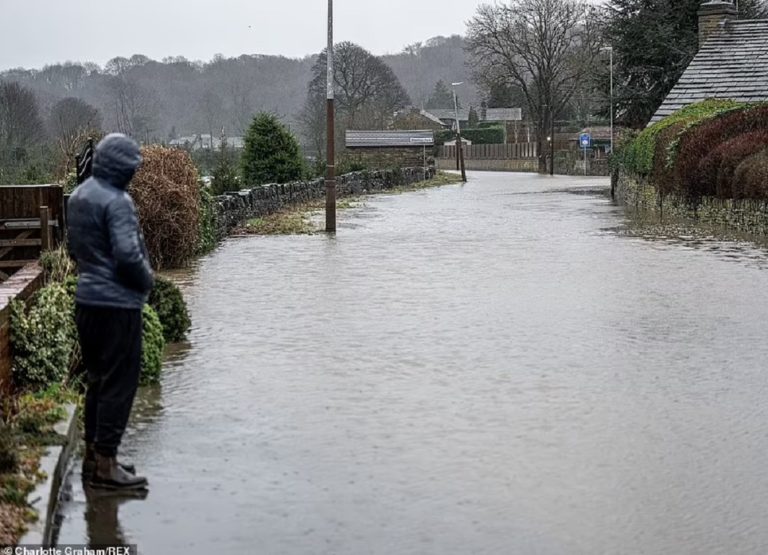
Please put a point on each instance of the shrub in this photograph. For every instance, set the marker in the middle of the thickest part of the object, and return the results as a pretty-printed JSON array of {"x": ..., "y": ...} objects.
[
  {"x": 43, "y": 337},
  {"x": 57, "y": 265},
  {"x": 9, "y": 461},
  {"x": 444, "y": 136},
  {"x": 640, "y": 156},
  {"x": 152, "y": 347},
  {"x": 272, "y": 153},
  {"x": 167, "y": 197},
  {"x": 751, "y": 177},
  {"x": 700, "y": 139},
  {"x": 349, "y": 163},
  {"x": 207, "y": 238},
  {"x": 716, "y": 170},
  {"x": 168, "y": 302},
  {"x": 225, "y": 178},
  {"x": 489, "y": 136}
]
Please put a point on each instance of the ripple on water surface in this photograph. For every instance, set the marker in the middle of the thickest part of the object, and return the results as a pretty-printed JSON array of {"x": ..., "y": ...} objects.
[{"x": 481, "y": 369}]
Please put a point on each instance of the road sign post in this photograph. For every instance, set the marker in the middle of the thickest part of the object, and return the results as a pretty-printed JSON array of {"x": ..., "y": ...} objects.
[{"x": 585, "y": 139}]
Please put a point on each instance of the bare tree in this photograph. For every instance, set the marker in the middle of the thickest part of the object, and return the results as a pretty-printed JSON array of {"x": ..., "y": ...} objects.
[
  {"x": 20, "y": 124},
  {"x": 71, "y": 122},
  {"x": 368, "y": 93},
  {"x": 212, "y": 109},
  {"x": 544, "y": 47}
]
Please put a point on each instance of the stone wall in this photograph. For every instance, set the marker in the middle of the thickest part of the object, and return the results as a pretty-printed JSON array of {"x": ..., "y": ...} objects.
[
  {"x": 572, "y": 163},
  {"x": 233, "y": 209},
  {"x": 387, "y": 157},
  {"x": 745, "y": 216}
]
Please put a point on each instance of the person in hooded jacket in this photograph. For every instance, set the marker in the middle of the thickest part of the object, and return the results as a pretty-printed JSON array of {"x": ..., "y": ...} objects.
[{"x": 115, "y": 279}]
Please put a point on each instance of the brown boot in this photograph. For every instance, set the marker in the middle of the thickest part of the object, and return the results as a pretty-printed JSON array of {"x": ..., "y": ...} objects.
[
  {"x": 108, "y": 474},
  {"x": 89, "y": 463}
]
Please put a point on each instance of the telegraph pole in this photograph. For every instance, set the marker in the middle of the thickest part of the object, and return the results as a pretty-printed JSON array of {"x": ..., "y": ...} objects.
[
  {"x": 459, "y": 142},
  {"x": 552, "y": 142},
  {"x": 330, "y": 178}
]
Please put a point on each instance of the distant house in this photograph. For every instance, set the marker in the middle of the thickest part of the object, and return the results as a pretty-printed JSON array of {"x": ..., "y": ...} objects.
[
  {"x": 489, "y": 115},
  {"x": 732, "y": 62},
  {"x": 389, "y": 149},
  {"x": 206, "y": 142},
  {"x": 416, "y": 118}
]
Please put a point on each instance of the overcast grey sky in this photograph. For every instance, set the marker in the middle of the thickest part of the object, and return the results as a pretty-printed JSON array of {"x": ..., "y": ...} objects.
[{"x": 34, "y": 33}]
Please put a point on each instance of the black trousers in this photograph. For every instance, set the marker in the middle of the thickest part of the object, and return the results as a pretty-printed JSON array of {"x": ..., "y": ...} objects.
[{"x": 110, "y": 339}]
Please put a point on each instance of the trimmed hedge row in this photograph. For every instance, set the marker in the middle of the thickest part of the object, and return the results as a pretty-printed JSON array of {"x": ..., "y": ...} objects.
[
  {"x": 486, "y": 136},
  {"x": 642, "y": 155},
  {"x": 715, "y": 171},
  {"x": 751, "y": 177},
  {"x": 687, "y": 154},
  {"x": 697, "y": 151}
]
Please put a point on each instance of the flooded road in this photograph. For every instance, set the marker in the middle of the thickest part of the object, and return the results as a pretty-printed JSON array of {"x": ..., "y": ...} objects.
[{"x": 486, "y": 369}]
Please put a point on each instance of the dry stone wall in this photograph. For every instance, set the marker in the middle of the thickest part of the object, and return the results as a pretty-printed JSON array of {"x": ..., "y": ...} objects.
[
  {"x": 232, "y": 209},
  {"x": 745, "y": 216}
]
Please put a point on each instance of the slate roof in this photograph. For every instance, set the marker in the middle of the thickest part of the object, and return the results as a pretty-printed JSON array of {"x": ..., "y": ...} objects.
[
  {"x": 732, "y": 64},
  {"x": 394, "y": 139},
  {"x": 493, "y": 114}
]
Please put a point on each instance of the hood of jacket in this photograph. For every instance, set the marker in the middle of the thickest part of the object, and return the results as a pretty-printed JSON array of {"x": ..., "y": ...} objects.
[{"x": 116, "y": 159}]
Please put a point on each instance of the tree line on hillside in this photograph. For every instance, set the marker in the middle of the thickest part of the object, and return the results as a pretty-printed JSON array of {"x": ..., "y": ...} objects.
[
  {"x": 546, "y": 56},
  {"x": 157, "y": 101}
]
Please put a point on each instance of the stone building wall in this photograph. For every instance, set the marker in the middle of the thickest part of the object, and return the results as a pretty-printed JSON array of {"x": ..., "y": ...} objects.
[{"x": 386, "y": 158}]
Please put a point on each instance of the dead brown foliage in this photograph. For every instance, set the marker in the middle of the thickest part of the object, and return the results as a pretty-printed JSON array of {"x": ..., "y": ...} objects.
[{"x": 167, "y": 198}]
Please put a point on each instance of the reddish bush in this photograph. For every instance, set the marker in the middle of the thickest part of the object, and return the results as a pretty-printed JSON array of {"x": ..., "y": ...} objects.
[
  {"x": 702, "y": 139},
  {"x": 717, "y": 168},
  {"x": 751, "y": 177},
  {"x": 168, "y": 201}
]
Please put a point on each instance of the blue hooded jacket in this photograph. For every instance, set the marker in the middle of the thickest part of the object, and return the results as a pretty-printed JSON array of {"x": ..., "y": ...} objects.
[{"x": 104, "y": 236}]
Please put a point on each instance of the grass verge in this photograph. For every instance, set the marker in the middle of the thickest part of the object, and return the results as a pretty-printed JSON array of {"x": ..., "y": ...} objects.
[
  {"x": 26, "y": 427},
  {"x": 297, "y": 220}
]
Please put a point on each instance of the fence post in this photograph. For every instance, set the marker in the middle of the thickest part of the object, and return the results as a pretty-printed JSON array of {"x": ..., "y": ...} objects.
[{"x": 45, "y": 229}]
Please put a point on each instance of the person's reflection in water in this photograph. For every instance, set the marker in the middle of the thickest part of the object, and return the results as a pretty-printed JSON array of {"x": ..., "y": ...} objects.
[{"x": 101, "y": 515}]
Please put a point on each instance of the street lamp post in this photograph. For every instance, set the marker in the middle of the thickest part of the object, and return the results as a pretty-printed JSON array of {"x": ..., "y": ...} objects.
[
  {"x": 551, "y": 138},
  {"x": 610, "y": 50},
  {"x": 459, "y": 143},
  {"x": 330, "y": 178}
]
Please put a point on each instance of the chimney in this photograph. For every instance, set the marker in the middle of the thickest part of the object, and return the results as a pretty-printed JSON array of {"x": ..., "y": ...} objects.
[{"x": 711, "y": 14}]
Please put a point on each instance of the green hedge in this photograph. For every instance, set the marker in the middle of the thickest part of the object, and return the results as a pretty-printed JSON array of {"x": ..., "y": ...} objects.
[
  {"x": 490, "y": 136},
  {"x": 487, "y": 136},
  {"x": 444, "y": 136},
  {"x": 44, "y": 337},
  {"x": 153, "y": 345},
  {"x": 45, "y": 341},
  {"x": 697, "y": 151},
  {"x": 166, "y": 299}
]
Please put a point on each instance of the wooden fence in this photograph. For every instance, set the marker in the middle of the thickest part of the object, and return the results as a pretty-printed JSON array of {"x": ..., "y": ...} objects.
[
  {"x": 519, "y": 151},
  {"x": 31, "y": 220}
]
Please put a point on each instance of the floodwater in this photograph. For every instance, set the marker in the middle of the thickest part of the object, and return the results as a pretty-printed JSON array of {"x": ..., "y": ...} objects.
[{"x": 496, "y": 368}]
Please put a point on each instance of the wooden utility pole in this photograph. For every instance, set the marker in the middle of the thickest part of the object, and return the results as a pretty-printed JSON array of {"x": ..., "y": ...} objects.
[
  {"x": 459, "y": 143},
  {"x": 552, "y": 142},
  {"x": 330, "y": 178}
]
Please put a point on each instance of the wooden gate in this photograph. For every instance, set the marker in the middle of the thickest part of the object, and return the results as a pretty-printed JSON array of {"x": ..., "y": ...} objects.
[{"x": 31, "y": 221}]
